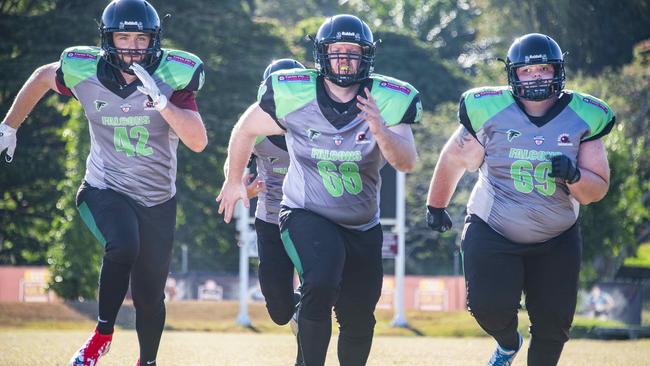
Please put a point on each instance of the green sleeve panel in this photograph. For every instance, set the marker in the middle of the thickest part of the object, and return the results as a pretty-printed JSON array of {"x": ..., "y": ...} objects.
[
  {"x": 485, "y": 102},
  {"x": 596, "y": 113},
  {"x": 292, "y": 89},
  {"x": 259, "y": 139},
  {"x": 393, "y": 98},
  {"x": 177, "y": 68},
  {"x": 78, "y": 64}
]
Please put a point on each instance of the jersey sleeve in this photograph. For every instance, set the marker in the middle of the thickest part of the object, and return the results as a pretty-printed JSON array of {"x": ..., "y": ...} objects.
[
  {"x": 181, "y": 70},
  {"x": 60, "y": 84},
  {"x": 76, "y": 65},
  {"x": 398, "y": 101},
  {"x": 414, "y": 112},
  {"x": 596, "y": 113},
  {"x": 463, "y": 118},
  {"x": 286, "y": 91},
  {"x": 197, "y": 80},
  {"x": 478, "y": 106},
  {"x": 605, "y": 131},
  {"x": 266, "y": 99},
  {"x": 184, "y": 99}
]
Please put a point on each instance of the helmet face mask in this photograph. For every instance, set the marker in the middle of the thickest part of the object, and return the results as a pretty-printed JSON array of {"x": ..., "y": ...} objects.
[
  {"x": 344, "y": 29},
  {"x": 535, "y": 49},
  {"x": 136, "y": 16}
]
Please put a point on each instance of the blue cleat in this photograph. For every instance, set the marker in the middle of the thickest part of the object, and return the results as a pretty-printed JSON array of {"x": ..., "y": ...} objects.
[{"x": 504, "y": 357}]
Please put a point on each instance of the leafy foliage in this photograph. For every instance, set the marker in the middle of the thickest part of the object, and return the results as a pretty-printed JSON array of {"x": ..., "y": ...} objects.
[
  {"x": 597, "y": 34},
  {"x": 429, "y": 43}
]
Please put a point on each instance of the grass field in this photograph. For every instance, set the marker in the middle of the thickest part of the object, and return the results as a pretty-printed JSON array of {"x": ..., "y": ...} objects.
[
  {"x": 206, "y": 334},
  {"x": 29, "y": 347}
]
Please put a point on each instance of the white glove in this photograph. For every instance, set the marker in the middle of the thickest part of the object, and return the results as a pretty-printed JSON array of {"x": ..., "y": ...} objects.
[
  {"x": 149, "y": 87},
  {"x": 7, "y": 141}
]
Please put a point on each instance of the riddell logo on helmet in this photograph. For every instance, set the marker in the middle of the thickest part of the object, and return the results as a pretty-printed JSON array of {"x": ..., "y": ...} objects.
[
  {"x": 340, "y": 35},
  {"x": 487, "y": 93},
  {"x": 540, "y": 57},
  {"x": 131, "y": 23},
  {"x": 593, "y": 102},
  {"x": 399, "y": 88}
]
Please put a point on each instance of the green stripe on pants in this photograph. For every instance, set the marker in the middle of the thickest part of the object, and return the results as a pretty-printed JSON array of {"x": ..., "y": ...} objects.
[
  {"x": 89, "y": 220},
  {"x": 290, "y": 248}
]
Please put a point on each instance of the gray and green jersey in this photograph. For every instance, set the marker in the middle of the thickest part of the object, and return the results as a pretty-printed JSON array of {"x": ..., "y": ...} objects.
[
  {"x": 514, "y": 194},
  {"x": 132, "y": 149},
  {"x": 335, "y": 159},
  {"x": 272, "y": 162}
]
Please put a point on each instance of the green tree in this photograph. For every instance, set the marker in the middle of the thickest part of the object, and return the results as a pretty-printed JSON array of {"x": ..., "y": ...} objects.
[
  {"x": 614, "y": 227},
  {"x": 75, "y": 256},
  {"x": 235, "y": 49},
  {"x": 39, "y": 218},
  {"x": 429, "y": 252},
  {"x": 597, "y": 34},
  {"x": 29, "y": 183},
  {"x": 289, "y": 12},
  {"x": 444, "y": 25}
]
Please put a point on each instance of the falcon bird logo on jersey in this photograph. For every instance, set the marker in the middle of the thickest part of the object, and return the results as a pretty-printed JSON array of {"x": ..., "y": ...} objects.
[
  {"x": 312, "y": 134},
  {"x": 99, "y": 104},
  {"x": 512, "y": 134}
]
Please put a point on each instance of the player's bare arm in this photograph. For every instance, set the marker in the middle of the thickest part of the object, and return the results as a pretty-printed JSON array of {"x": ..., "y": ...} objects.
[
  {"x": 594, "y": 173},
  {"x": 188, "y": 125},
  {"x": 42, "y": 80},
  {"x": 461, "y": 153},
  {"x": 396, "y": 143},
  {"x": 253, "y": 122}
]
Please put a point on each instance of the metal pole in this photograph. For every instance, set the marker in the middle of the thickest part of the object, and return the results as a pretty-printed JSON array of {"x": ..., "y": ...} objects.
[
  {"x": 244, "y": 234},
  {"x": 400, "y": 260},
  {"x": 184, "y": 258}
]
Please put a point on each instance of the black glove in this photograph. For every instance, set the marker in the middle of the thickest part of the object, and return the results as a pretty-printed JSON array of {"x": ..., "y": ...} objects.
[
  {"x": 438, "y": 219},
  {"x": 564, "y": 169}
]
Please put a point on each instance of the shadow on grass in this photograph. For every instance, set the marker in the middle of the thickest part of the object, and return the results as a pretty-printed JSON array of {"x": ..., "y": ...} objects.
[
  {"x": 415, "y": 331},
  {"x": 252, "y": 328},
  {"x": 89, "y": 309}
]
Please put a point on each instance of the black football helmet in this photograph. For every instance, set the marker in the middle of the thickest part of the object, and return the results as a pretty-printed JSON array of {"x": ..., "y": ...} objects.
[
  {"x": 130, "y": 16},
  {"x": 535, "y": 49},
  {"x": 349, "y": 29},
  {"x": 282, "y": 64}
]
